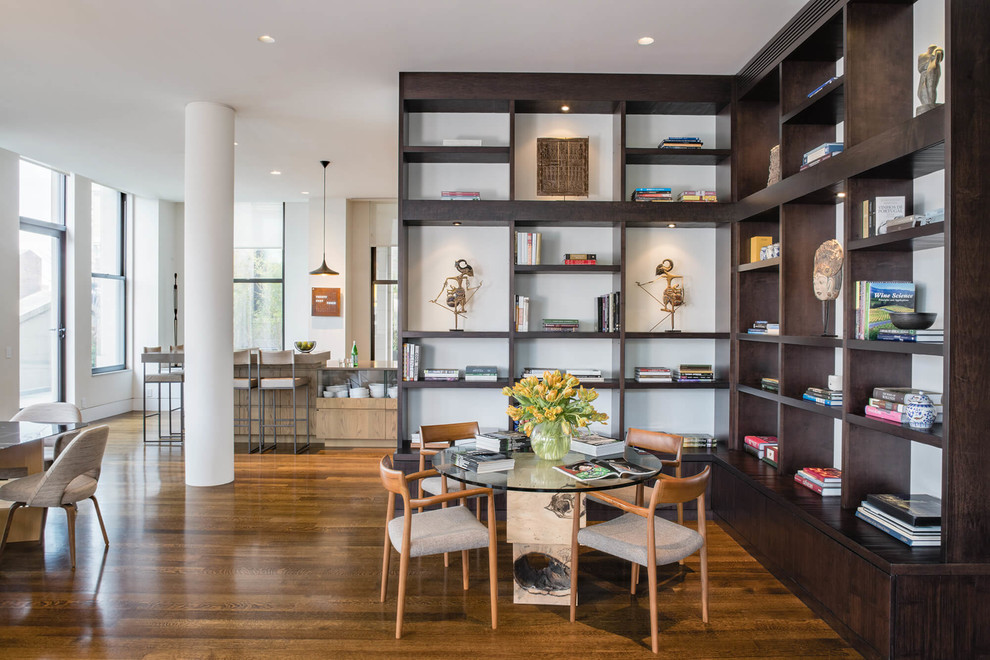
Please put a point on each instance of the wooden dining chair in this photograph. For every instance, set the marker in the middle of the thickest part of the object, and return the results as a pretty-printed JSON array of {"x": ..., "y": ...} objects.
[
  {"x": 432, "y": 532},
  {"x": 654, "y": 441},
  {"x": 641, "y": 537},
  {"x": 433, "y": 439}
]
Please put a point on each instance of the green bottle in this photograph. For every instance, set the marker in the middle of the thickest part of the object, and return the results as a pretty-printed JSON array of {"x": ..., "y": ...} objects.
[{"x": 354, "y": 354}]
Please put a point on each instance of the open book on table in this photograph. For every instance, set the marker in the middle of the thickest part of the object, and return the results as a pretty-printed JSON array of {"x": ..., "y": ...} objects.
[{"x": 603, "y": 468}]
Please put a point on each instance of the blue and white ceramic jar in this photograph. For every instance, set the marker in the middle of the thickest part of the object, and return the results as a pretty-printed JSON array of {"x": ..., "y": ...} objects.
[{"x": 920, "y": 412}]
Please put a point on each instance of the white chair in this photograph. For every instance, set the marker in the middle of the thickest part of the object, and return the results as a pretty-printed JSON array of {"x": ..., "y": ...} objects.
[{"x": 51, "y": 413}]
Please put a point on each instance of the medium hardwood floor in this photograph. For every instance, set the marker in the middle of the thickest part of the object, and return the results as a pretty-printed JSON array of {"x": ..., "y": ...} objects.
[{"x": 285, "y": 563}]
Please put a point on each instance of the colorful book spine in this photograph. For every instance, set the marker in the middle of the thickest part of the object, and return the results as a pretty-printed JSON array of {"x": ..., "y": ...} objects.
[{"x": 811, "y": 485}]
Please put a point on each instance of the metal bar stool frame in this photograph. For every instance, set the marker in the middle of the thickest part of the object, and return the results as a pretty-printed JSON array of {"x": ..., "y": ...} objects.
[
  {"x": 282, "y": 359},
  {"x": 247, "y": 357},
  {"x": 169, "y": 377}
]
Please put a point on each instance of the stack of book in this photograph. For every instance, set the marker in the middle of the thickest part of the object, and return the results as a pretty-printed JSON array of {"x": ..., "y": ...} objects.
[
  {"x": 485, "y": 373},
  {"x": 560, "y": 325},
  {"x": 441, "y": 374},
  {"x": 822, "y": 86},
  {"x": 580, "y": 258},
  {"x": 681, "y": 143},
  {"x": 522, "y": 313},
  {"x": 607, "y": 316},
  {"x": 757, "y": 444},
  {"x": 501, "y": 441},
  {"x": 695, "y": 373},
  {"x": 912, "y": 519},
  {"x": 764, "y": 328},
  {"x": 827, "y": 482},
  {"x": 410, "y": 361},
  {"x": 890, "y": 403},
  {"x": 770, "y": 456},
  {"x": 528, "y": 246},
  {"x": 458, "y": 195},
  {"x": 480, "y": 460},
  {"x": 935, "y": 336},
  {"x": 697, "y": 196},
  {"x": 593, "y": 444},
  {"x": 653, "y": 195},
  {"x": 654, "y": 375},
  {"x": 873, "y": 303},
  {"x": 536, "y": 371},
  {"x": 698, "y": 440},
  {"x": 823, "y": 396},
  {"x": 769, "y": 384},
  {"x": 820, "y": 153},
  {"x": 586, "y": 375}
]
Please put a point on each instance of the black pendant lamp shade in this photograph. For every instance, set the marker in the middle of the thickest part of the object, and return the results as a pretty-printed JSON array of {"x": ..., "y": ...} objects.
[{"x": 324, "y": 269}]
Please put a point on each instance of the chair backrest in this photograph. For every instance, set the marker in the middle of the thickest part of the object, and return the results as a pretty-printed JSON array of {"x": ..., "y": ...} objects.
[
  {"x": 177, "y": 349},
  {"x": 664, "y": 443},
  {"x": 52, "y": 413},
  {"x": 82, "y": 456},
  {"x": 447, "y": 432},
  {"x": 276, "y": 357},
  {"x": 393, "y": 480},
  {"x": 673, "y": 490},
  {"x": 152, "y": 349},
  {"x": 244, "y": 357}
]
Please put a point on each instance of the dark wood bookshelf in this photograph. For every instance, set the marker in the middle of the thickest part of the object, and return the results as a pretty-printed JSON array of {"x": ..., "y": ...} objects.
[
  {"x": 746, "y": 336},
  {"x": 762, "y": 264},
  {"x": 758, "y": 392},
  {"x": 633, "y": 384},
  {"x": 540, "y": 334},
  {"x": 677, "y": 335},
  {"x": 563, "y": 214},
  {"x": 431, "y": 154},
  {"x": 455, "y": 384},
  {"x": 834, "y": 412},
  {"x": 906, "y": 240},
  {"x": 914, "y": 348},
  {"x": 576, "y": 269},
  {"x": 452, "y": 334},
  {"x": 689, "y": 156},
  {"x": 825, "y": 107},
  {"x": 932, "y": 437}
]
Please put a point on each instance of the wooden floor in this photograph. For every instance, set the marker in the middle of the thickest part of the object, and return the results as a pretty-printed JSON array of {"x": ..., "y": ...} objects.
[{"x": 285, "y": 563}]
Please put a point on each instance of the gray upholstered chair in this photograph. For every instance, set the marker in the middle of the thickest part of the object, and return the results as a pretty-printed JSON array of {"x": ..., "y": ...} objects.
[
  {"x": 281, "y": 383},
  {"x": 51, "y": 413},
  {"x": 72, "y": 477},
  {"x": 433, "y": 532},
  {"x": 247, "y": 383},
  {"x": 640, "y": 537}
]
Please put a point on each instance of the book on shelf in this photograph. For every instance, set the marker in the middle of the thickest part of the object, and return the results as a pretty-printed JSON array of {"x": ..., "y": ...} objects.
[
  {"x": 886, "y": 209},
  {"x": 818, "y": 161},
  {"x": 823, "y": 476},
  {"x": 873, "y": 303},
  {"x": 441, "y": 374},
  {"x": 906, "y": 395},
  {"x": 697, "y": 196},
  {"x": 821, "y": 151},
  {"x": 770, "y": 455},
  {"x": 912, "y": 535},
  {"x": 458, "y": 195},
  {"x": 603, "y": 468},
  {"x": 892, "y": 415},
  {"x": 580, "y": 262},
  {"x": 916, "y": 336},
  {"x": 698, "y": 440},
  {"x": 896, "y": 407},
  {"x": 681, "y": 142},
  {"x": 755, "y": 244},
  {"x": 502, "y": 441},
  {"x": 825, "y": 392},
  {"x": 914, "y": 509},
  {"x": 757, "y": 444},
  {"x": 764, "y": 328},
  {"x": 822, "y": 86},
  {"x": 481, "y": 461},
  {"x": 867, "y": 219},
  {"x": 537, "y": 371},
  {"x": 769, "y": 384},
  {"x": 607, "y": 315},
  {"x": 560, "y": 325},
  {"x": 522, "y": 313},
  {"x": 410, "y": 361},
  {"x": 695, "y": 373},
  {"x": 654, "y": 375},
  {"x": 462, "y": 142},
  {"x": 594, "y": 444},
  {"x": 480, "y": 373},
  {"x": 580, "y": 256},
  {"x": 823, "y": 396},
  {"x": 528, "y": 247},
  {"x": 587, "y": 375},
  {"x": 652, "y": 195},
  {"x": 829, "y": 489}
]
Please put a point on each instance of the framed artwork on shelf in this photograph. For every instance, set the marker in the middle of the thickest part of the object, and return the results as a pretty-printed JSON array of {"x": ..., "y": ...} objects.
[{"x": 562, "y": 166}]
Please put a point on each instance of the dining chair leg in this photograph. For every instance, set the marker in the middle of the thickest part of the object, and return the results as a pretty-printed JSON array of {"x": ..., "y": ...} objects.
[
  {"x": 99, "y": 516},
  {"x": 70, "y": 518},
  {"x": 704, "y": 582},
  {"x": 575, "y": 526},
  {"x": 492, "y": 559},
  {"x": 401, "y": 605},
  {"x": 464, "y": 568},
  {"x": 6, "y": 528},
  {"x": 44, "y": 521},
  {"x": 634, "y": 580},
  {"x": 651, "y": 572},
  {"x": 386, "y": 556}
]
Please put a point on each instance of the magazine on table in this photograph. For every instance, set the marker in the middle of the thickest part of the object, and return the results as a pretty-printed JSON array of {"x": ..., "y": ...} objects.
[{"x": 604, "y": 468}]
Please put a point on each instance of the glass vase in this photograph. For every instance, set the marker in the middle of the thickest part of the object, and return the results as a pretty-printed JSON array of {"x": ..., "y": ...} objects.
[{"x": 549, "y": 441}]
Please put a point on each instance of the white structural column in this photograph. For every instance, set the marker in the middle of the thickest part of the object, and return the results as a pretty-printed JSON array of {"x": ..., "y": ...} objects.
[{"x": 209, "y": 294}]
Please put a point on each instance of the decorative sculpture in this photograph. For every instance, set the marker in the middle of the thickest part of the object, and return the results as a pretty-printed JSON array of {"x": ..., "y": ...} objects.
[
  {"x": 774, "y": 174},
  {"x": 827, "y": 277},
  {"x": 930, "y": 68},
  {"x": 457, "y": 291},
  {"x": 672, "y": 296}
]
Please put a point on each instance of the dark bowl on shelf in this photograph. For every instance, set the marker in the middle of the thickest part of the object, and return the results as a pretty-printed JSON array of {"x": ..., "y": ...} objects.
[
  {"x": 305, "y": 346},
  {"x": 912, "y": 320}
]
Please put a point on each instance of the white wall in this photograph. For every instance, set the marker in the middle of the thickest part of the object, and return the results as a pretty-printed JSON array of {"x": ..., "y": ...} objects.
[
  {"x": 10, "y": 294},
  {"x": 170, "y": 263}
]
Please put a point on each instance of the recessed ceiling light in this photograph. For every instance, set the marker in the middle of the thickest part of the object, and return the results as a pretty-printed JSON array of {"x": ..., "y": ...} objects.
[
  {"x": 671, "y": 225},
  {"x": 842, "y": 194},
  {"x": 645, "y": 41},
  {"x": 266, "y": 39},
  {"x": 235, "y": 144},
  {"x": 565, "y": 108},
  {"x": 275, "y": 172},
  {"x": 305, "y": 192},
  {"x": 457, "y": 224}
]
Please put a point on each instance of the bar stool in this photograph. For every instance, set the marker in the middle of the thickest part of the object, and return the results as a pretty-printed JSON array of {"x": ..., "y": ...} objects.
[
  {"x": 275, "y": 384},
  {"x": 170, "y": 376},
  {"x": 249, "y": 384}
]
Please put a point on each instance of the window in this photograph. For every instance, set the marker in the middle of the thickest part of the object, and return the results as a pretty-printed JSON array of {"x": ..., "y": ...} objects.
[
  {"x": 258, "y": 275},
  {"x": 385, "y": 303},
  {"x": 109, "y": 282},
  {"x": 42, "y": 283}
]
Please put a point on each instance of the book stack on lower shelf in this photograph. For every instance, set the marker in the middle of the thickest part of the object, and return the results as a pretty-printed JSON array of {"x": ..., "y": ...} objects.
[
  {"x": 827, "y": 482},
  {"x": 698, "y": 440},
  {"x": 460, "y": 195},
  {"x": 695, "y": 373},
  {"x": 820, "y": 153},
  {"x": 560, "y": 325},
  {"x": 912, "y": 519},
  {"x": 587, "y": 374},
  {"x": 697, "y": 196},
  {"x": 580, "y": 258},
  {"x": 654, "y": 375},
  {"x": 764, "y": 328},
  {"x": 653, "y": 195},
  {"x": 757, "y": 444},
  {"x": 502, "y": 441},
  {"x": 770, "y": 384},
  {"x": 823, "y": 396},
  {"x": 441, "y": 374},
  {"x": 480, "y": 461},
  {"x": 686, "y": 142},
  {"x": 890, "y": 403},
  {"x": 480, "y": 373},
  {"x": 770, "y": 454},
  {"x": 935, "y": 336}
]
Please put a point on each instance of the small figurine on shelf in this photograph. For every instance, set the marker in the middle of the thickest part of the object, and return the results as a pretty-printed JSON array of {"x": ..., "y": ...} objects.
[
  {"x": 672, "y": 296},
  {"x": 457, "y": 291},
  {"x": 930, "y": 68},
  {"x": 774, "y": 175},
  {"x": 826, "y": 279}
]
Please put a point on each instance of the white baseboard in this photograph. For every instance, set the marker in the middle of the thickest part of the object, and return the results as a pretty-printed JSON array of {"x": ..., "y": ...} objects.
[{"x": 107, "y": 410}]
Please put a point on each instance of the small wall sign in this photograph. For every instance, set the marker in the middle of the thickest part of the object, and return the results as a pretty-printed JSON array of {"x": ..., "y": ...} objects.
[{"x": 326, "y": 302}]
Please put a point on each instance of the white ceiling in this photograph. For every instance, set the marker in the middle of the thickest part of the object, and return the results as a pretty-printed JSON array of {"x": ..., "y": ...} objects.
[{"x": 98, "y": 87}]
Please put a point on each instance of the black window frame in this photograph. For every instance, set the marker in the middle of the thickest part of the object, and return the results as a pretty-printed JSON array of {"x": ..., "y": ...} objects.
[
  {"x": 371, "y": 298},
  {"x": 121, "y": 277}
]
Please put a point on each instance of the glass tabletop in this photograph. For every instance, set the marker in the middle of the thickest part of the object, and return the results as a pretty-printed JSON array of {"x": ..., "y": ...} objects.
[
  {"x": 531, "y": 473},
  {"x": 14, "y": 433}
]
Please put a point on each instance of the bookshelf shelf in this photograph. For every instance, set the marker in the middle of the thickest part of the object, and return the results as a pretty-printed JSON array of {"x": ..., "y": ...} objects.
[
  {"x": 812, "y": 340},
  {"x": 633, "y": 384},
  {"x": 906, "y": 240},
  {"x": 770, "y": 339},
  {"x": 640, "y": 156},
  {"x": 810, "y": 406},
  {"x": 932, "y": 438},
  {"x": 913, "y": 348},
  {"x": 762, "y": 265},
  {"x": 538, "y": 334},
  {"x": 825, "y": 107},
  {"x": 677, "y": 335},
  {"x": 448, "y": 334},
  {"x": 455, "y": 154},
  {"x": 455, "y": 384},
  {"x": 585, "y": 269},
  {"x": 756, "y": 391}
]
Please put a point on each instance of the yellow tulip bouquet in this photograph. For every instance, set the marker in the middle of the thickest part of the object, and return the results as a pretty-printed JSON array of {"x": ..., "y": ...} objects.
[{"x": 554, "y": 408}]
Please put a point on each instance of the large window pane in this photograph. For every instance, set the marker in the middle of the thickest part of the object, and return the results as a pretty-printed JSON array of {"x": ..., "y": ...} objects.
[
  {"x": 258, "y": 315},
  {"x": 107, "y": 238},
  {"x": 40, "y": 193},
  {"x": 386, "y": 313},
  {"x": 39, "y": 315},
  {"x": 108, "y": 323},
  {"x": 257, "y": 263}
]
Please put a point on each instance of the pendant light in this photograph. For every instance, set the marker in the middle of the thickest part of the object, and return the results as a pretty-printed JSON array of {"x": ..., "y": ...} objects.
[{"x": 324, "y": 269}]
